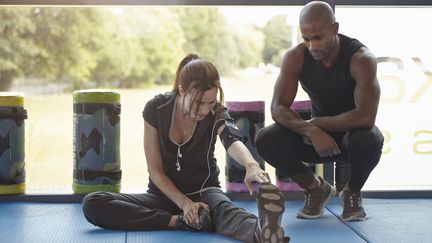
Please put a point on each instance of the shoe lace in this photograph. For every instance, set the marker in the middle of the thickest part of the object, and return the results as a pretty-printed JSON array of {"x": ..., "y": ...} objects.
[
  {"x": 307, "y": 198},
  {"x": 354, "y": 200},
  {"x": 313, "y": 198}
]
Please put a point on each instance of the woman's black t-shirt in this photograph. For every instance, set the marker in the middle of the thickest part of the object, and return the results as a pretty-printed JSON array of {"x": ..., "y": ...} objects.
[{"x": 198, "y": 169}]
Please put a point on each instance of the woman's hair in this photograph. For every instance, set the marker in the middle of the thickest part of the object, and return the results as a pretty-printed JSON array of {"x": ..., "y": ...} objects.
[{"x": 197, "y": 75}]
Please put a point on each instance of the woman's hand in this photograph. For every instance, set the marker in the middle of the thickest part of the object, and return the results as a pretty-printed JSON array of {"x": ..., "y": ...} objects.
[
  {"x": 191, "y": 213},
  {"x": 255, "y": 173}
]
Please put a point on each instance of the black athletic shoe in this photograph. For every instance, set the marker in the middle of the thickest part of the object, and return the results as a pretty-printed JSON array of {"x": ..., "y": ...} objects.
[
  {"x": 352, "y": 206},
  {"x": 271, "y": 205},
  {"x": 204, "y": 220},
  {"x": 315, "y": 200}
]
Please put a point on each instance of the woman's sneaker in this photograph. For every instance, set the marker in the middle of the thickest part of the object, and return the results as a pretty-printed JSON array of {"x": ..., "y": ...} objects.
[
  {"x": 315, "y": 200},
  {"x": 352, "y": 206},
  {"x": 204, "y": 221},
  {"x": 271, "y": 205}
]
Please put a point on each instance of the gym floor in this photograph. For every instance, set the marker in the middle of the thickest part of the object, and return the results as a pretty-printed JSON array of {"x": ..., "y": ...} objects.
[{"x": 388, "y": 220}]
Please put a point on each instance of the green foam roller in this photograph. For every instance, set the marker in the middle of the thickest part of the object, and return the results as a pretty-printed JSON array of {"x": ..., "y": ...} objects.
[
  {"x": 96, "y": 141},
  {"x": 12, "y": 143}
]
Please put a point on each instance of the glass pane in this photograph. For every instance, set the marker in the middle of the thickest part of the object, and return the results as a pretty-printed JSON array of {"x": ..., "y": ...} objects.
[
  {"x": 399, "y": 40},
  {"x": 53, "y": 51},
  {"x": 49, "y": 52}
]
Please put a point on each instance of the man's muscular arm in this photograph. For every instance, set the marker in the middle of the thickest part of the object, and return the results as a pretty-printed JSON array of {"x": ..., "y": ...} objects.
[{"x": 285, "y": 91}]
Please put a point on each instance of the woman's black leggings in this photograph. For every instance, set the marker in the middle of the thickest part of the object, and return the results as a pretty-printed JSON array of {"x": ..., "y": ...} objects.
[
  {"x": 152, "y": 211},
  {"x": 285, "y": 150}
]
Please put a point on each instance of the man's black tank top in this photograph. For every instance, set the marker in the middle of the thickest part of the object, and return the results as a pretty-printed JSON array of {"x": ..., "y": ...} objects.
[{"x": 331, "y": 90}]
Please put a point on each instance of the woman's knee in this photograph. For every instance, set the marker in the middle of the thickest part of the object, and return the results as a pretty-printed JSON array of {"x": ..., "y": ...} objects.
[{"x": 92, "y": 201}]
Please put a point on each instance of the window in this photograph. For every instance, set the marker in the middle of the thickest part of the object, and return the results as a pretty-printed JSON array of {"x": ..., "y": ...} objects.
[
  {"x": 135, "y": 51},
  {"x": 48, "y": 52},
  {"x": 399, "y": 41}
]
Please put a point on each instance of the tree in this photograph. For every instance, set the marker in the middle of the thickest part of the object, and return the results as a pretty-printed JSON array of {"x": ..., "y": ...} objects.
[
  {"x": 144, "y": 47},
  {"x": 68, "y": 39},
  {"x": 17, "y": 48},
  {"x": 206, "y": 32},
  {"x": 250, "y": 44},
  {"x": 52, "y": 43},
  {"x": 161, "y": 39},
  {"x": 116, "y": 57},
  {"x": 277, "y": 39}
]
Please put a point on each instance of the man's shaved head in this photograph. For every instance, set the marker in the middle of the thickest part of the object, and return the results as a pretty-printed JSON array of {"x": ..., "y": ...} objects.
[{"x": 317, "y": 11}]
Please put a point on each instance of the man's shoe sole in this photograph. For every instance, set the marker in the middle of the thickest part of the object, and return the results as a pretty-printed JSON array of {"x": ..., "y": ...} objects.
[{"x": 354, "y": 218}]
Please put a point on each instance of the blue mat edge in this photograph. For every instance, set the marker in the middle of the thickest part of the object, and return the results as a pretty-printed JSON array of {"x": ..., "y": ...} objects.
[{"x": 353, "y": 229}]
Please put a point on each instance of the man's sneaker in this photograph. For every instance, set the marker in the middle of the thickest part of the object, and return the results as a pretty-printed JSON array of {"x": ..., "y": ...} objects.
[
  {"x": 352, "y": 206},
  {"x": 271, "y": 205},
  {"x": 315, "y": 200},
  {"x": 204, "y": 221}
]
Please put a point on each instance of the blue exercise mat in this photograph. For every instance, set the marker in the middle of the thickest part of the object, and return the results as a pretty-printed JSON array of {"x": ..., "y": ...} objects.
[
  {"x": 389, "y": 220},
  {"x": 393, "y": 220},
  {"x": 23, "y": 222}
]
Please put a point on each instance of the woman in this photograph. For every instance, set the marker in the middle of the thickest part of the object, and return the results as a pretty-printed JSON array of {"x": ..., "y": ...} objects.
[{"x": 180, "y": 129}]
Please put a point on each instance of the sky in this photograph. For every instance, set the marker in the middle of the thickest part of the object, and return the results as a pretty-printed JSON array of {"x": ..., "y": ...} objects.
[{"x": 258, "y": 15}]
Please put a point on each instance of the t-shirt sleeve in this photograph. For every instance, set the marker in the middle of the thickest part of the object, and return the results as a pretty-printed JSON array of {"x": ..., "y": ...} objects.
[{"x": 150, "y": 114}]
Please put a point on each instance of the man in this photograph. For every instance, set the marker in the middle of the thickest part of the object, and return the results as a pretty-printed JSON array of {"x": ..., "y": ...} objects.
[{"x": 339, "y": 75}]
